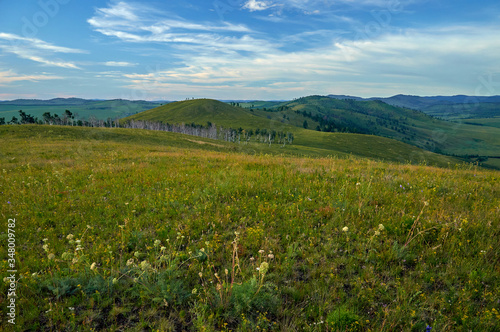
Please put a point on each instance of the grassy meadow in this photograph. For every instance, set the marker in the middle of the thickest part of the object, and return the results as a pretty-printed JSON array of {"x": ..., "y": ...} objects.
[{"x": 136, "y": 230}]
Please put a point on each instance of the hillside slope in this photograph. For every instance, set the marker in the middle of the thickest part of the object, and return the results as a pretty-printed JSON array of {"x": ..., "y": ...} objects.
[
  {"x": 405, "y": 125},
  {"x": 445, "y": 107},
  {"x": 202, "y": 111}
]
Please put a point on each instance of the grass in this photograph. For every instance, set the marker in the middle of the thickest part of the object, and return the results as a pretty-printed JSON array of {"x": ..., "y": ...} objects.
[
  {"x": 490, "y": 122},
  {"x": 137, "y": 230},
  {"x": 464, "y": 111}
]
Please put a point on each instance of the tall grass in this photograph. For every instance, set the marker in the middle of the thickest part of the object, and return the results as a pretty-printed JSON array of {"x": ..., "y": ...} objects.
[{"x": 129, "y": 235}]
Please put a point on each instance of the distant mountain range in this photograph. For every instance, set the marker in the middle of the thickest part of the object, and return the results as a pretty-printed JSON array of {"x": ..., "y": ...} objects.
[
  {"x": 70, "y": 101},
  {"x": 421, "y": 103},
  {"x": 445, "y": 107},
  {"x": 459, "y": 107}
]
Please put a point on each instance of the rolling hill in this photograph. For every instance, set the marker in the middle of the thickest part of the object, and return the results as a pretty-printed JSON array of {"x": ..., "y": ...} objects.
[
  {"x": 375, "y": 117},
  {"x": 202, "y": 111},
  {"x": 444, "y": 107}
]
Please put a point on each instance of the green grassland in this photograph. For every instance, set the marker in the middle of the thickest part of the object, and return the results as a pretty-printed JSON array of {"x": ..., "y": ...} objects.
[
  {"x": 490, "y": 122},
  {"x": 84, "y": 109},
  {"x": 120, "y": 229},
  {"x": 259, "y": 104},
  {"x": 464, "y": 111}
]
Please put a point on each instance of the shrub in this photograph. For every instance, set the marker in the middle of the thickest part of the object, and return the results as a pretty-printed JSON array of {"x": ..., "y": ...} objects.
[{"x": 342, "y": 319}]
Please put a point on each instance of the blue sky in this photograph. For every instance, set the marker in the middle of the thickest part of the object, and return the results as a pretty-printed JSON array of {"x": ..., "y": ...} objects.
[{"x": 248, "y": 49}]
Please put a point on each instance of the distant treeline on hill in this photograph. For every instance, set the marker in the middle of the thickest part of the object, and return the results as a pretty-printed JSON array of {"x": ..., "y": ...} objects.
[{"x": 209, "y": 131}]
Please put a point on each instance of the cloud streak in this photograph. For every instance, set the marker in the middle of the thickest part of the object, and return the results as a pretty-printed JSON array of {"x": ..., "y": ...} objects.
[
  {"x": 135, "y": 24},
  {"x": 36, "y": 50},
  {"x": 392, "y": 62},
  {"x": 119, "y": 64},
  {"x": 256, "y": 5},
  {"x": 9, "y": 76}
]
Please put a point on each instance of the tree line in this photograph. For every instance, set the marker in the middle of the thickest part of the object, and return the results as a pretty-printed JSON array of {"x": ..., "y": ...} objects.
[
  {"x": 327, "y": 124},
  {"x": 210, "y": 130}
]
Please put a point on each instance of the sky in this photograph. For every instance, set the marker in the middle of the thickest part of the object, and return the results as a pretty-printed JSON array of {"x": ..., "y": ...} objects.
[{"x": 248, "y": 49}]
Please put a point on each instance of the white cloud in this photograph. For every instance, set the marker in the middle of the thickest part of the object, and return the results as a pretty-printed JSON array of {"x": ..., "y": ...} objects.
[
  {"x": 36, "y": 50},
  {"x": 120, "y": 10},
  {"x": 445, "y": 61},
  {"x": 36, "y": 43},
  {"x": 256, "y": 5},
  {"x": 10, "y": 76},
  {"x": 119, "y": 64},
  {"x": 147, "y": 26}
]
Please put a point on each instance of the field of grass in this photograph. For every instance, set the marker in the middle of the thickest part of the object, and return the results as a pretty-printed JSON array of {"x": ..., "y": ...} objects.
[
  {"x": 490, "y": 122},
  {"x": 136, "y": 230},
  {"x": 464, "y": 111}
]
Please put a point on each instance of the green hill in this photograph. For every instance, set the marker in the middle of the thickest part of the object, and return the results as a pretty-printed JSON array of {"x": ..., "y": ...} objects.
[
  {"x": 378, "y": 118},
  {"x": 465, "y": 111},
  {"x": 202, "y": 111}
]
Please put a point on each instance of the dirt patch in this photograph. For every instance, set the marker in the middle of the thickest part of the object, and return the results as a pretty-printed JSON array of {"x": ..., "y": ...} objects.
[{"x": 202, "y": 143}]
